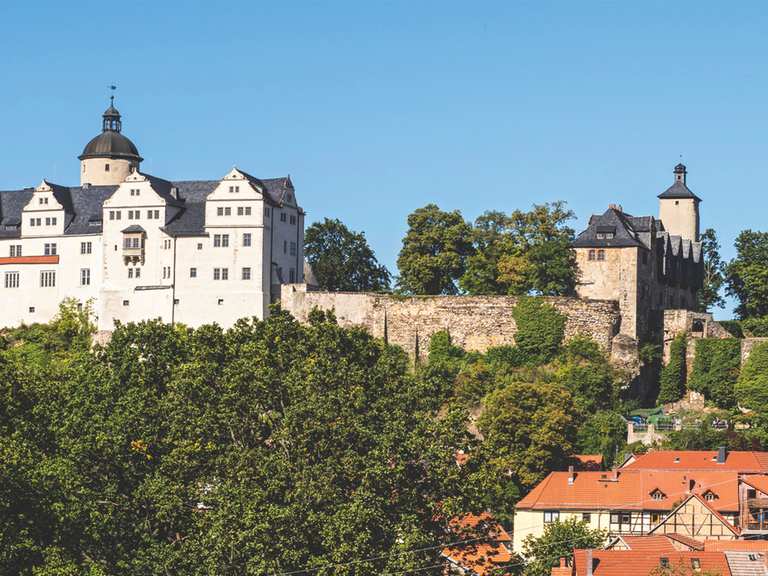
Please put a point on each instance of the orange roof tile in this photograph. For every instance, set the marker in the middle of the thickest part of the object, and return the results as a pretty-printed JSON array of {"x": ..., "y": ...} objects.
[
  {"x": 691, "y": 543},
  {"x": 588, "y": 461},
  {"x": 634, "y": 563},
  {"x": 743, "y": 462},
  {"x": 758, "y": 482},
  {"x": 487, "y": 552},
  {"x": 656, "y": 543},
  {"x": 736, "y": 545},
  {"x": 631, "y": 490}
]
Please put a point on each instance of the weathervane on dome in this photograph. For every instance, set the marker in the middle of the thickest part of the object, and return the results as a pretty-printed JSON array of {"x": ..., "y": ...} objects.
[{"x": 112, "y": 87}]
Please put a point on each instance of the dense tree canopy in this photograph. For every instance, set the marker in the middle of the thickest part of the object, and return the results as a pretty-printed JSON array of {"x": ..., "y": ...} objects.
[
  {"x": 265, "y": 448},
  {"x": 752, "y": 385},
  {"x": 342, "y": 260},
  {"x": 747, "y": 274},
  {"x": 714, "y": 272},
  {"x": 558, "y": 541}
]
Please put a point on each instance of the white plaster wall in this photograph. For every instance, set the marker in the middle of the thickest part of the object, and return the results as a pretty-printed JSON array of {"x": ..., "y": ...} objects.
[
  {"x": 92, "y": 171},
  {"x": 680, "y": 217}
]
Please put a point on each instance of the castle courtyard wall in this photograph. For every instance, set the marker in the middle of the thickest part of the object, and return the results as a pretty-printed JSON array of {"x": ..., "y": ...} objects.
[{"x": 474, "y": 322}]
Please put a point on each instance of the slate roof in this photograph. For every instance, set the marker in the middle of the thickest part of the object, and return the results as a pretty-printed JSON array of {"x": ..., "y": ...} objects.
[
  {"x": 679, "y": 190},
  {"x": 83, "y": 205},
  {"x": 625, "y": 234}
]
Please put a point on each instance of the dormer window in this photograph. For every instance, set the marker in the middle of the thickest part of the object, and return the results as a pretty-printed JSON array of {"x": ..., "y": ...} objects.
[
  {"x": 657, "y": 495},
  {"x": 709, "y": 496},
  {"x": 606, "y": 232}
]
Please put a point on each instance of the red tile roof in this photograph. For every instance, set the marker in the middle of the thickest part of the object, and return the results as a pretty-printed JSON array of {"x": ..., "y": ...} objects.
[
  {"x": 29, "y": 260},
  {"x": 642, "y": 563},
  {"x": 743, "y": 462},
  {"x": 759, "y": 482},
  {"x": 588, "y": 461},
  {"x": 486, "y": 552},
  {"x": 656, "y": 543},
  {"x": 631, "y": 490},
  {"x": 736, "y": 545}
]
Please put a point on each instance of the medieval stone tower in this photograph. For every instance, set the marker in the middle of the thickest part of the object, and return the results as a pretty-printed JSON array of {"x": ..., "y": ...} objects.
[
  {"x": 109, "y": 157},
  {"x": 679, "y": 208}
]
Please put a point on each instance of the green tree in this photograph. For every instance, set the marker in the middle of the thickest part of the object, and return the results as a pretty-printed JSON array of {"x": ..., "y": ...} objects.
[
  {"x": 540, "y": 329},
  {"x": 716, "y": 369},
  {"x": 714, "y": 272},
  {"x": 747, "y": 274},
  {"x": 342, "y": 260},
  {"x": 522, "y": 253},
  {"x": 434, "y": 252},
  {"x": 586, "y": 372},
  {"x": 752, "y": 385},
  {"x": 603, "y": 433},
  {"x": 528, "y": 430},
  {"x": 673, "y": 375},
  {"x": 558, "y": 541}
]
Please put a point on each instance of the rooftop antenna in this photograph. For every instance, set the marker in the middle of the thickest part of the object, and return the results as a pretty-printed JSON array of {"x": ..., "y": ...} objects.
[{"x": 112, "y": 87}]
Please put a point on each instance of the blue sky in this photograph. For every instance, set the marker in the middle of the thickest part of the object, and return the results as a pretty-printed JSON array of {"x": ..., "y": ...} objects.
[{"x": 377, "y": 108}]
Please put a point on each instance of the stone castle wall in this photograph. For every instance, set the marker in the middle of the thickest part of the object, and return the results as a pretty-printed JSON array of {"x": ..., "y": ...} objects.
[{"x": 474, "y": 322}]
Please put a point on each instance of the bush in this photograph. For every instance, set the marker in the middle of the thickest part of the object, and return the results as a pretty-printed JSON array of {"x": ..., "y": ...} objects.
[
  {"x": 603, "y": 433},
  {"x": 755, "y": 327},
  {"x": 752, "y": 385},
  {"x": 540, "y": 330},
  {"x": 716, "y": 369},
  {"x": 672, "y": 384},
  {"x": 585, "y": 371}
]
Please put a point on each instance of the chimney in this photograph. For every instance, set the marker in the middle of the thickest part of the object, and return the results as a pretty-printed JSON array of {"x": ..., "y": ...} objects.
[
  {"x": 588, "y": 557},
  {"x": 563, "y": 562},
  {"x": 721, "y": 455},
  {"x": 616, "y": 207},
  {"x": 570, "y": 475}
]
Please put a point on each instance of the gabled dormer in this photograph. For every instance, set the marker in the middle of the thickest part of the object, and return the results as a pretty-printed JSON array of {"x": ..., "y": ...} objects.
[
  {"x": 657, "y": 494},
  {"x": 48, "y": 210},
  {"x": 238, "y": 200},
  {"x": 142, "y": 198}
]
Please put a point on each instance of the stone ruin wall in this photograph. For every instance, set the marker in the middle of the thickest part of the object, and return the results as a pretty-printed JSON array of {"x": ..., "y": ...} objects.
[{"x": 474, "y": 322}]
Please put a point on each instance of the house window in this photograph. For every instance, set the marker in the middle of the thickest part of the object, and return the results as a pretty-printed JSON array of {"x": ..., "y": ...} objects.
[
  {"x": 11, "y": 279},
  {"x": 246, "y": 273},
  {"x": 224, "y": 240},
  {"x": 126, "y": 302},
  {"x": 220, "y": 211},
  {"x": 48, "y": 278},
  {"x": 15, "y": 250},
  {"x": 551, "y": 516},
  {"x": 293, "y": 248},
  {"x": 591, "y": 255},
  {"x": 283, "y": 216},
  {"x": 228, "y": 211},
  {"x": 49, "y": 249},
  {"x": 220, "y": 301},
  {"x": 149, "y": 214},
  {"x": 225, "y": 273},
  {"x": 247, "y": 210},
  {"x": 247, "y": 239},
  {"x": 217, "y": 273},
  {"x": 657, "y": 495},
  {"x": 621, "y": 522},
  {"x": 285, "y": 246},
  {"x": 130, "y": 272},
  {"x": 234, "y": 189},
  {"x": 709, "y": 496},
  {"x": 291, "y": 275},
  {"x": 156, "y": 214},
  {"x": 111, "y": 214},
  {"x": 751, "y": 493},
  {"x": 48, "y": 221},
  {"x": 44, "y": 200},
  {"x": 240, "y": 211},
  {"x": 199, "y": 245},
  {"x": 31, "y": 309},
  {"x": 193, "y": 272},
  {"x": 664, "y": 562},
  {"x": 106, "y": 167},
  {"x": 86, "y": 247},
  {"x": 586, "y": 517},
  {"x": 138, "y": 272},
  {"x": 601, "y": 255},
  {"x": 85, "y": 276},
  {"x": 221, "y": 273},
  {"x": 293, "y": 219},
  {"x": 655, "y": 518},
  {"x": 696, "y": 564},
  {"x": 118, "y": 214}
]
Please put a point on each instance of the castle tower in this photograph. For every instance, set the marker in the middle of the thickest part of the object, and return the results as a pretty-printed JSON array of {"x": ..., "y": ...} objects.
[
  {"x": 679, "y": 207},
  {"x": 109, "y": 157}
]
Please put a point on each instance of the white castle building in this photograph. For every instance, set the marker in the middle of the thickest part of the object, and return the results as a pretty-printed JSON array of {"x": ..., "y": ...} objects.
[{"x": 140, "y": 247}]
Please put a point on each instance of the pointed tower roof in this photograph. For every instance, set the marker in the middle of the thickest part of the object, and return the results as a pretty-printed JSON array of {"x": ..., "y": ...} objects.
[{"x": 679, "y": 189}]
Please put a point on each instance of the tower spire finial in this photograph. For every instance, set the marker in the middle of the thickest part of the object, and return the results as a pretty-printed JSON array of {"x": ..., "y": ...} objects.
[{"x": 112, "y": 87}]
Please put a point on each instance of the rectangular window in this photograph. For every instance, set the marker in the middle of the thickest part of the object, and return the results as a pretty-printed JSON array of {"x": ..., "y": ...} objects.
[
  {"x": 138, "y": 272},
  {"x": 228, "y": 211},
  {"x": 285, "y": 246},
  {"x": 586, "y": 517},
  {"x": 224, "y": 240},
  {"x": 293, "y": 219},
  {"x": 293, "y": 248},
  {"x": 44, "y": 200},
  {"x": 157, "y": 214},
  {"x": 193, "y": 272},
  {"x": 601, "y": 255},
  {"x": 126, "y": 302},
  {"x": 247, "y": 210},
  {"x": 49, "y": 249},
  {"x": 240, "y": 211},
  {"x": 246, "y": 273},
  {"x": 86, "y": 247},
  {"x": 15, "y": 250},
  {"x": 220, "y": 211},
  {"x": 225, "y": 273},
  {"x": 199, "y": 245},
  {"x": 47, "y": 221},
  {"x": 291, "y": 275},
  {"x": 217, "y": 240},
  {"x": 130, "y": 272},
  {"x": 85, "y": 276},
  {"x": 551, "y": 516},
  {"x": 217, "y": 273},
  {"x": 149, "y": 214},
  {"x": 282, "y": 216},
  {"x": 111, "y": 214},
  {"x": 591, "y": 255},
  {"x": 11, "y": 279},
  {"x": 53, "y": 221},
  {"x": 48, "y": 278},
  {"x": 247, "y": 239}
]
